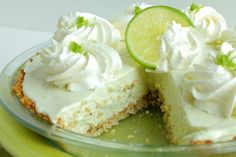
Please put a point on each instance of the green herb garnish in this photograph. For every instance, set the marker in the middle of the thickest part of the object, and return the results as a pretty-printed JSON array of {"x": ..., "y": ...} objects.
[
  {"x": 137, "y": 10},
  {"x": 75, "y": 48},
  {"x": 226, "y": 61},
  {"x": 81, "y": 21},
  {"x": 195, "y": 8}
]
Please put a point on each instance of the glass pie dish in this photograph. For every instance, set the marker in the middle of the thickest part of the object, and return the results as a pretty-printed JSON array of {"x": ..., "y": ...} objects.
[{"x": 139, "y": 135}]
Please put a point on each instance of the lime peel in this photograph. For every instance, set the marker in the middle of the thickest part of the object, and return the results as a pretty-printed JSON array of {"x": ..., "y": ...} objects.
[{"x": 144, "y": 32}]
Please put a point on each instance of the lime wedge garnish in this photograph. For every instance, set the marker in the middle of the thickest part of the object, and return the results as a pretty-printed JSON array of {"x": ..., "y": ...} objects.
[{"x": 145, "y": 29}]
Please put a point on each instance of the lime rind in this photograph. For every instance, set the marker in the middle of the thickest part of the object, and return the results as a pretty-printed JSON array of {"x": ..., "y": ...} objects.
[{"x": 146, "y": 63}]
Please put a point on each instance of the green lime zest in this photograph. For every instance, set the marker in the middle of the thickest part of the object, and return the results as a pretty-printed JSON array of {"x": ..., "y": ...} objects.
[
  {"x": 81, "y": 21},
  {"x": 195, "y": 8},
  {"x": 226, "y": 60},
  {"x": 137, "y": 10},
  {"x": 75, "y": 48}
]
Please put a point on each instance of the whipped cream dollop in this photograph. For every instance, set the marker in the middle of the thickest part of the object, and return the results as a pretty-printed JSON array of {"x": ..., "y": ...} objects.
[
  {"x": 211, "y": 88},
  {"x": 229, "y": 36},
  {"x": 89, "y": 26},
  {"x": 225, "y": 48},
  {"x": 121, "y": 22},
  {"x": 79, "y": 64},
  {"x": 207, "y": 20},
  {"x": 180, "y": 48}
]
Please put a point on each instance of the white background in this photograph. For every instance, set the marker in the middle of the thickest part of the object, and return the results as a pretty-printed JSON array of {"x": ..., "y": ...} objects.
[
  {"x": 25, "y": 23},
  {"x": 43, "y": 14}
]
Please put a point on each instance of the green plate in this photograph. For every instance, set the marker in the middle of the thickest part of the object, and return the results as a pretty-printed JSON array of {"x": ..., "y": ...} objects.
[{"x": 21, "y": 142}]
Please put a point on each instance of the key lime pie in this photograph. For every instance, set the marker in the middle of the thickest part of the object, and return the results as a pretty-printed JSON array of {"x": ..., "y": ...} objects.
[{"x": 97, "y": 73}]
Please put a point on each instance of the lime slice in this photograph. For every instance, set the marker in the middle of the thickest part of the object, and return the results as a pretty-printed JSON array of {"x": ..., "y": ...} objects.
[{"x": 145, "y": 29}]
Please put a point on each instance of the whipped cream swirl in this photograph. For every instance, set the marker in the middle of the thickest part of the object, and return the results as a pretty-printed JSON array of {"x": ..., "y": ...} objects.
[
  {"x": 225, "y": 48},
  {"x": 208, "y": 21},
  {"x": 78, "y": 64},
  {"x": 229, "y": 36},
  {"x": 89, "y": 26},
  {"x": 181, "y": 47},
  {"x": 210, "y": 88}
]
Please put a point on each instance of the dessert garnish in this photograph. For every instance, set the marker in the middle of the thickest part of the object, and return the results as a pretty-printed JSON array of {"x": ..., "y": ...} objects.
[
  {"x": 227, "y": 60},
  {"x": 81, "y": 21},
  {"x": 195, "y": 7}
]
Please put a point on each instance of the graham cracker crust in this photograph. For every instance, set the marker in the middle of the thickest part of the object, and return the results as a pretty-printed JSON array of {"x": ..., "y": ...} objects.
[
  {"x": 105, "y": 126},
  {"x": 166, "y": 119},
  {"x": 18, "y": 90},
  {"x": 201, "y": 142}
]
